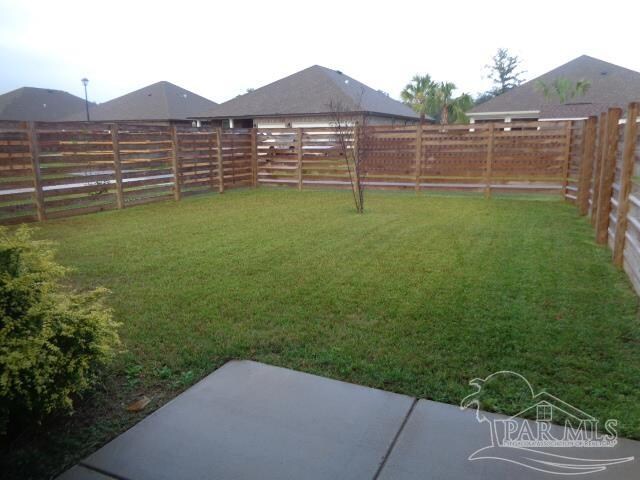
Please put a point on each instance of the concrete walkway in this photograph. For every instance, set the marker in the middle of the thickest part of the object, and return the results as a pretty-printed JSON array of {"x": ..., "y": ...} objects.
[{"x": 253, "y": 421}]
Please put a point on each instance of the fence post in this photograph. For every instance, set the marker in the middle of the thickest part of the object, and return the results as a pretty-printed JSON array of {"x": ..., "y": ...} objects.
[
  {"x": 601, "y": 147},
  {"x": 117, "y": 165},
  {"x": 628, "y": 161},
  {"x": 489, "y": 165},
  {"x": 220, "y": 163},
  {"x": 175, "y": 163},
  {"x": 34, "y": 150},
  {"x": 299, "y": 152},
  {"x": 607, "y": 175},
  {"x": 586, "y": 164},
  {"x": 213, "y": 166},
  {"x": 418, "y": 156},
  {"x": 567, "y": 158},
  {"x": 254, "y": 157}
]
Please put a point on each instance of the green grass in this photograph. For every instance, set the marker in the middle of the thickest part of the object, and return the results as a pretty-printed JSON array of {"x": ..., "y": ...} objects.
[{"x": 418, "y": 295}]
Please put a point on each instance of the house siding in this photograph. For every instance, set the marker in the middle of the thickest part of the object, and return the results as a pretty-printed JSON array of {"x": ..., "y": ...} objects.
[{"x": 324, "y": 121}]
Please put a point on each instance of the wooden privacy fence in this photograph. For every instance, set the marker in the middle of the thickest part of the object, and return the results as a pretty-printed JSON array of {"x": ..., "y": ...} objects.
[
  {"x": 51, "y": 170},
  {"x": 608, "y": 186},
  {"x": 531, "y": 155}
]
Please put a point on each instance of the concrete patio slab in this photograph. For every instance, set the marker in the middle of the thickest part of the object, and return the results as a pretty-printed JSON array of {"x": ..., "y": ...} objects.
[
  {"x": 253, "y": 421},
  {"x": 438, "y": 439},
  {"x": 82, "y": 473},
  {"x": 249, "y": 420}
]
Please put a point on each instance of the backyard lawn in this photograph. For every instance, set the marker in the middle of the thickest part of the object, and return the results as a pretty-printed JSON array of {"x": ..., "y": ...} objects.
[{"x": 419, "y": 295}]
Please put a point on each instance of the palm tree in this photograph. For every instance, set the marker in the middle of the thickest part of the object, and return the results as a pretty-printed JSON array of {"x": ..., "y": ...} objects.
[
  {"x": 450, "y": 108},
  {"x": 459, "y": 108},
  {"x": 419, "y": 95},
  {"x": 563, "y": 89}
]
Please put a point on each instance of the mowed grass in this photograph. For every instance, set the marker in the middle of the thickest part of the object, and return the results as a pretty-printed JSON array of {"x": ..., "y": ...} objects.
[{"x": 419, "y": 295}]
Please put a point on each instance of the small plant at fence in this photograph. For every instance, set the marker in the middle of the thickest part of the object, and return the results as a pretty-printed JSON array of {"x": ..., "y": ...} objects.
[
  {"x": 350, "y": 137},
  {"x": 91, "y": 171},
  {"x": 52, "y": 340}
]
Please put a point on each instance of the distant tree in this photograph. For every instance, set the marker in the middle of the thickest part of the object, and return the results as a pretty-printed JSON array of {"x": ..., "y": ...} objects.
[
  {"x": 419, "y": 95},
  {"x": 504, "y": 72},
  {"x": 248, "y": 90},
  {"x": 563, "y": 89},
  {"x": 450, "y": 109},
  {"x": 436, "y": 99},
  {"x": 483, "y": 97}
]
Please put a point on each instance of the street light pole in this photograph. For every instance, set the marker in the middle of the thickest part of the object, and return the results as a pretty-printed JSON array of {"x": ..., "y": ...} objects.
[{"x": 86, "y": 99}]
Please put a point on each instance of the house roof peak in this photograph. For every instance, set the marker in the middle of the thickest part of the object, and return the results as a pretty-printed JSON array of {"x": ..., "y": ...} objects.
[
  {"x": 161, "y": 100},
  {"x": 39, "y": 104},
  {"x": 309, "y": 92}
]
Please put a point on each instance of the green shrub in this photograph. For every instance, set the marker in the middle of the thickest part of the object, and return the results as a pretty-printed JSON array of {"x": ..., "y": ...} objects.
[{"x": 52, "y": 339}]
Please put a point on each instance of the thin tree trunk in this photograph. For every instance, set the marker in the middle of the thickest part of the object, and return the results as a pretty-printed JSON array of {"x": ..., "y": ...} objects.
[{"x": 444, "y": 118}]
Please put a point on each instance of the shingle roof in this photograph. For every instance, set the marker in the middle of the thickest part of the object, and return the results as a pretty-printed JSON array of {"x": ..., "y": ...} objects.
[
  {"x": 39, "y": 104},
  {"x": 310, "y": 91},
  {"x": 611, "y": 86},
  {"x": 159, "y": 101}
]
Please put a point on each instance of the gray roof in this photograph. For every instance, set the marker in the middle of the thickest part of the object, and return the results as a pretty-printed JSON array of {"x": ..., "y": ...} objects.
[
  {"x": 39, "y": 104},
  {"x": 611, "y": 86},
  {"x": 159, "y": 101},
  {"x": 309, "y": 92}
]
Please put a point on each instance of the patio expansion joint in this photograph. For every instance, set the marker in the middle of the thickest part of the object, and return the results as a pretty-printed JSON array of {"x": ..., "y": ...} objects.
[
  {"x": 103, "y": 472},
  {"x": 395, "y": 439}
]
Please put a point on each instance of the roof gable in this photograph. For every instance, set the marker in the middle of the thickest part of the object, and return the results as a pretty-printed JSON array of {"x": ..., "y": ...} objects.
[
  {"x": 611, "y": 85},
  {"x": 158, "y": 101},
  {"x": 310, "y": 91},
  {"x": 39, "y": 104}
]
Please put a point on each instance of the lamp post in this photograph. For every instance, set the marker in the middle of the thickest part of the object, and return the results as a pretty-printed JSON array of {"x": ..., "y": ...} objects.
[{"x": 86, "y": 99}]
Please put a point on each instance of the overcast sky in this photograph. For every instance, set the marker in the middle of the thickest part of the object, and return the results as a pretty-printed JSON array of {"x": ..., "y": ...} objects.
[{"x": 219, "y": 49}]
